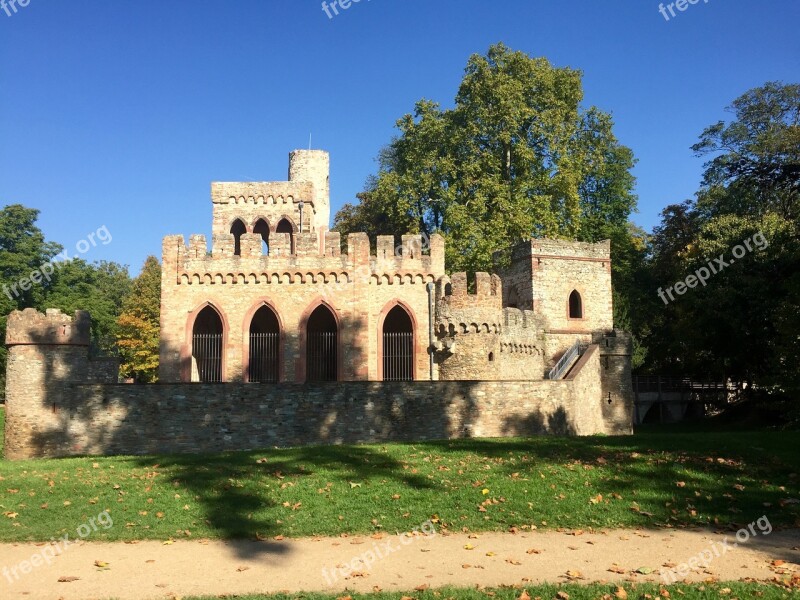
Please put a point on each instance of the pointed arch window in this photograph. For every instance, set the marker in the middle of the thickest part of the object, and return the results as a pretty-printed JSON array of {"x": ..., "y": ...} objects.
[
  {"x": 207, "y": 334},
  {"x": 575, "y": 305},
  {"x": 264, "y": 340},
  {"x": 322, "y": 346},
  {"x": 398, "y": 346},
  {"x": 284, "y": 226},
  {"x": 237, "y": 229},
  {"x": 262, "y": 228}
]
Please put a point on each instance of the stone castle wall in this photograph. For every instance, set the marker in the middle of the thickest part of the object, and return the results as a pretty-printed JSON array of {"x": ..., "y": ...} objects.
[
  {"x": 542, "y": 275},
  {"x": 276, "y": 200},
  {"x": 55, "y": 409},
  {"x": 480, "y": 372},
  {"x": 358, "y": 287},
  {"x": 478, "y": 339}
]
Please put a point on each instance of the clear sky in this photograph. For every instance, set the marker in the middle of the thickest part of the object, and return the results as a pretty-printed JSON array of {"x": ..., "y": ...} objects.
[{"x": 120, "y": 113}]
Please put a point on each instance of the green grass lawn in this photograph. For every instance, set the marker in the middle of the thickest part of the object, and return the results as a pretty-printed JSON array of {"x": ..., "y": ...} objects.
[
  {"x": 652, "y": 479},
  {"x": 571, "y": 592}
]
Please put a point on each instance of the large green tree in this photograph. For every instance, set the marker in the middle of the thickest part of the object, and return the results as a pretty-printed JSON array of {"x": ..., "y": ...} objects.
[
  {"x": 743, "y": 323},
  {"x": 517, "y": 156}
]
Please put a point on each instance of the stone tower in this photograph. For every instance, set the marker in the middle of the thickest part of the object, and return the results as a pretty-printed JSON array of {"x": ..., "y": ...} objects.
[
  {"x": 313, "y": 166},
  {"x": 46, "y": 354}
]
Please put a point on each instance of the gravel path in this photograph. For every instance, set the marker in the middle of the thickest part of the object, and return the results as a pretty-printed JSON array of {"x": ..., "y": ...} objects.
[{"x": 145, "y": 570}]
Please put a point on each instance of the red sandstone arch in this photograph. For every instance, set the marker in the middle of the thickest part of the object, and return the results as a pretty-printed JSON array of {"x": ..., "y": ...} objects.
[
  {"x": 186, "y": 349},
  {"x": 414, "y": 328},
  {"x": 302, "y": 334},
  {"x": 248, "y": 318},
  {"x": 576, "y": 302}
]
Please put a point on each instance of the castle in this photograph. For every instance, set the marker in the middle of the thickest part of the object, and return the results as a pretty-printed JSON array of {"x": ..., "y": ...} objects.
[{"x": 285, "y": 335}]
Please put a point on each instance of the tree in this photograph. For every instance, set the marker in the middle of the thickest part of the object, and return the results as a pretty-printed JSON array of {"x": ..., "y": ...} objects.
[
  {"x": 95, "y": 287},
  {"x": 756, "y": 167},
  {"x": 23, "y": 252},
  {"x": 138, "y": 325},
  {"x": 516, "y": 157},
  {"x": 742, "y": 323}
]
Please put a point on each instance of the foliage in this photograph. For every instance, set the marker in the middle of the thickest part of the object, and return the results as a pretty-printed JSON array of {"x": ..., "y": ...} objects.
[
  {"x": 98, "y": 288},
  {"x": 517, "y": 156},
  {"x": 23, "y": 250},
  {"x": 743, "y": 323},
  {"x": 138, "y": 325}
]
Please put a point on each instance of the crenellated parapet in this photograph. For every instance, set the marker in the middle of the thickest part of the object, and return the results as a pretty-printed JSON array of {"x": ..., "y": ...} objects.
[
  {"x": 479, "y": 339},
  {"x": 52, "y": 328},
  {"x": 301, "y": 258},
  {"x": 553, "y": 248},
  {"x": 460, "y": 311}
]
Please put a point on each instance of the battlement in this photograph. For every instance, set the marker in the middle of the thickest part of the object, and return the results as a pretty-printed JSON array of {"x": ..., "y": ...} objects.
[
  {"x": 614, "y": 342},
  {"x": 545, "y": 247},
  {"x": 454, "y": 291},
  {"x": 405, "y": 262},
  {"x": 52, "y": 328},
  {"x": 515, "y": 319}
]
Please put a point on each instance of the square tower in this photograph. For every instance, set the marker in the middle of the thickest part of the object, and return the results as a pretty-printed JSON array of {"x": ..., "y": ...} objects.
[{"x": 566, "y": 284}]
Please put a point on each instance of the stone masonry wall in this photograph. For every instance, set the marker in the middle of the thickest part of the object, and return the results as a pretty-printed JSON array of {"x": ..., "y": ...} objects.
[
  {"x": 542, "y": 275},
  {"x": 358, "y": 287},
  {"x": 275, "y": 200},
  {"x": 476, "y": 338},
  {"x": 177, "y": 418},
  {"x": 55, "y": 407}
]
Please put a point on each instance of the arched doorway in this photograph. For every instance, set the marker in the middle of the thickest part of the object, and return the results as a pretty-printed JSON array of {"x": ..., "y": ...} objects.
[
  {"x": 264, "y": 341},
  {"x": 237, "y": 229},
  {"x": 284, "y": 226},
  {"x": 398, "y": 345},
  {"x": 207, "y": 346},
  {"x": 262, "y": 228},
  {"x": 322, "y": 346}
]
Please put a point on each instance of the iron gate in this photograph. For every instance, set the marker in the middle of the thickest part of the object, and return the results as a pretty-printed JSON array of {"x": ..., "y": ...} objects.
[
  {"x": 321, "y": 356},
  {"x": 398, "y": 356},
  {"x": 207, "y": 354},
  {"x": 263, "y": 367}
]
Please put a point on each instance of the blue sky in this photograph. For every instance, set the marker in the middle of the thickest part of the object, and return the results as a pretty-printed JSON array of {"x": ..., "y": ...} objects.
[{"x": 120, "y": 113}]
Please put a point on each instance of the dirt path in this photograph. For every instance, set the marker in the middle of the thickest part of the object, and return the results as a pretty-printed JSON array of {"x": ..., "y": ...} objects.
[{"x": 146, "y": 570}]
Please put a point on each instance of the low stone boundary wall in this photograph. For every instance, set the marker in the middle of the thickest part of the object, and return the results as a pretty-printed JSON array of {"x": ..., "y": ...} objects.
[{"x": 93, "y": 419}]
